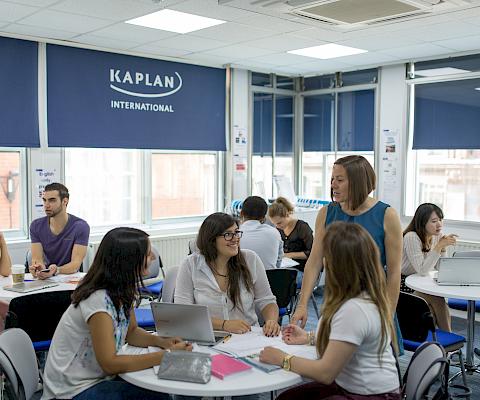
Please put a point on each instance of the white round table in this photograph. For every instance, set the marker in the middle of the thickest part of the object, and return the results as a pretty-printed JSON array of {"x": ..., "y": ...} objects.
[
  {"x": 426, "y": 284},
  {"x": 62, "y": 281}
]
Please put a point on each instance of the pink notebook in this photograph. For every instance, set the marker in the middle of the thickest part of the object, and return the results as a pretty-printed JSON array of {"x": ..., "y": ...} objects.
[{"x": 224, "y": 366}]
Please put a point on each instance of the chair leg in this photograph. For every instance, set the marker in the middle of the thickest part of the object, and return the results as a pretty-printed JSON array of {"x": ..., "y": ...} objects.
[
  {"x": 462, "y": 368},
  {"x": 314, "y": 302}
]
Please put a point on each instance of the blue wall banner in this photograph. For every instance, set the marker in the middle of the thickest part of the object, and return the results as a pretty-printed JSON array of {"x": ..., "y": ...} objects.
[
  {"x": 19, "y": 93},
  {"x": 100, "y": 99}
]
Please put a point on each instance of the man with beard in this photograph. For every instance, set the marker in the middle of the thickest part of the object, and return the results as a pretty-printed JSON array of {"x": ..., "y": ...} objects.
[{"x": 59, "y": 240}]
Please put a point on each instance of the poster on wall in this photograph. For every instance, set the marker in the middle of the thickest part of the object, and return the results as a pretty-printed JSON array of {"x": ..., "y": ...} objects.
[
  {"x": 101, "y": 99},
  {"x": 240, "y": 161},
  {"x": 390, "y": 168}
]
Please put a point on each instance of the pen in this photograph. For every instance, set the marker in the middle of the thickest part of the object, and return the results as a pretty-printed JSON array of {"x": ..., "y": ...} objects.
[{"x": 226, "y": 338}]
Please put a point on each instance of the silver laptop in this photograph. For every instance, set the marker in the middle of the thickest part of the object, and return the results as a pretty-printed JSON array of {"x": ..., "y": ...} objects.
[
  {"x": 459, "y": 271},
  {"x": 189, "y": 321},
  {"x": 26, "y": 287}
]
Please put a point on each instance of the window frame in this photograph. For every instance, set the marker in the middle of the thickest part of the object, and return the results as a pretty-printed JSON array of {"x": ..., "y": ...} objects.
[
  {"x": 411, "y": 167},
  {"x": 25, "y": 177}
]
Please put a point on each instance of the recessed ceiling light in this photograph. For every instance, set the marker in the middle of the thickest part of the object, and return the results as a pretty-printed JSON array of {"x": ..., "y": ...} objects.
[
  {"x": 174, "y": 21},
  {"x": 477, "y": 88},
  {"x": 440, "y": 71},
  {"x": 326, "y": 51}
]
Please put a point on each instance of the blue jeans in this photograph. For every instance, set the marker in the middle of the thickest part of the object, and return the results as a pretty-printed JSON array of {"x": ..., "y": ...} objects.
[{"x": 118, "y": 389}]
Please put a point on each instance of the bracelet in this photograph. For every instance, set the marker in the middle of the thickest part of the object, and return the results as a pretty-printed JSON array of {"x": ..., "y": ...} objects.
[
  {"x": 223, "y": 324},
  {"x": 311, "y": 338}
]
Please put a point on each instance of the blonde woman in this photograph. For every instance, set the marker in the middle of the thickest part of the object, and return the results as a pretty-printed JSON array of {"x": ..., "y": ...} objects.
[
  {"x": 296, "y": 234},
  {"x": 355, "y": 333}
]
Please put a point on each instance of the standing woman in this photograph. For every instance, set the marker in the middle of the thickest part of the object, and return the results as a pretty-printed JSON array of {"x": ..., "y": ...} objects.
[
  {"x": 83, "y": 358},
  {"x": 353, "y": 179},
  {"x": 296, "y": 234},
  {"x": 356, "y": 328},
  {"x": 231, "y": 282},
  {"x": 5, "y": 261},
  {"x": 423, "y": 245}
]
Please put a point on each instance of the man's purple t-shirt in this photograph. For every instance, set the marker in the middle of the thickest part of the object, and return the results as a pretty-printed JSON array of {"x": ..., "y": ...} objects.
[{"x": 57, "y": 249}]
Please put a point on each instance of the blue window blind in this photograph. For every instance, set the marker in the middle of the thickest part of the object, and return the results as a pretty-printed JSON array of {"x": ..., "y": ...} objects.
[
  {"x": 19, "y": 93},
  {"x": 318, "y": 122},
  {"x": 284, "y": 125},
  {"x": 356, "y": 121},
  {"x": 100, "y": 99},
  {"x": 262, "y": 124},
  {"x": 447, "y": 115}
]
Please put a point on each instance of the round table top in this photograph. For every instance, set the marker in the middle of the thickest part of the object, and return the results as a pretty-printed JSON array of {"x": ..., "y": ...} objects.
[
  {"x": 426, "y": 284},
  {"x": 65, "y": 282}
]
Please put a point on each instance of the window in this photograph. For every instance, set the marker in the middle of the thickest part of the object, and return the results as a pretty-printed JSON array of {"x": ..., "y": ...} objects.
[
  {"x": 116, "y": 198},
  {"x": 12, "y": 190},
  {"x": 443, "y": 165},
  {"x": 183, "y": 185}
]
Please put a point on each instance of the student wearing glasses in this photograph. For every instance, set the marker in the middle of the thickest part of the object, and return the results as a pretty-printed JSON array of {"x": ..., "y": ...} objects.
[{"x": 230, "y": 281}]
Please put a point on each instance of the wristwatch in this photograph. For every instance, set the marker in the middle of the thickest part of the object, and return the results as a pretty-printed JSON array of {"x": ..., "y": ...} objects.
[{"x": 286, "y": 364}]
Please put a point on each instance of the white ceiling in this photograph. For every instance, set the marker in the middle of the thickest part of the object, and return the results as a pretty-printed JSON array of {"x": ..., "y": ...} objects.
[{"x": 254, "y": 37}]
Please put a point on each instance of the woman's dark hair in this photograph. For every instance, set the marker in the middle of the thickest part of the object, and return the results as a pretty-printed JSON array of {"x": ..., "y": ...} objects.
[
  {"x": 117, "y": 268},
  {"x": 212, "y": 227},
  {"x": 419, "y": 222},
  {"x": 361, "y": 179}
]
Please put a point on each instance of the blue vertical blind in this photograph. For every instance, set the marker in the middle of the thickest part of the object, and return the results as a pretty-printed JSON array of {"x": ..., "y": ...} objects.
[
  {"x": 447, "y": 115},
  {"x": 262, "y": 124},
  {"x": 356, "y": 121},
  {"x": 100, "y": 99},
  {"x": 284, "y": 125},
  {"x": 318, "y": 122},
  {"x": 19, "y": 93}
]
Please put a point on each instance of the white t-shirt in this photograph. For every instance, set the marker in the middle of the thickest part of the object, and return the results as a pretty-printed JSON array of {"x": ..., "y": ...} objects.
[
  {"x": 71, "y": 365},
  {"x": 358, "y": 322}
]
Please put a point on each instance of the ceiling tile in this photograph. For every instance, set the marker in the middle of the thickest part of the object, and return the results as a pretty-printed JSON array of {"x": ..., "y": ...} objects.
[
  {"x": 236, "y": 50},
  {"x": 284, "y": 42},
  {"x": 206, "y": 8},
  {"x": 207, "y": 59},
  {"x": 233, "y": 32},
  {"x": 419, "y": 51},
  {"x": 379, "y": 42},
  {"x": 13, "y": 12},
  {"x": 108, "y": 9},
  {"x": 452, "y": 30},
  {"x": 35, "y": 3},
  {"x": 160, "y": 51},
  {"x": 134, "y": 33},
  {"x": 64, "y": 21},
  {"x": 105, "y": 42},
  {"x": 279, "y": 25},
  {"x": 282, "y": 59},
  {"x": 320, "y": 34},
  {"x": 368, "y": 58},
  {"x": 39, "y": 32},
  {"x": 461, "y": 44},
  {"x": 190, "y": 43}
]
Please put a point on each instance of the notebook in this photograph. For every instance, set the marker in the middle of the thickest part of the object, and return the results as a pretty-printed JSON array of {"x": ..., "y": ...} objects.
[
  {"x": 189, "y": 321},
  {"x": 459, "y": 271},
  {"x": 223, "y": 366},
  {"x": 26, "y": 287}
]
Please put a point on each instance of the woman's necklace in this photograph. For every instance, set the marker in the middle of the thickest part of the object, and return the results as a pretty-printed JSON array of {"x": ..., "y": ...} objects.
[{"x": 215, "y": 272}]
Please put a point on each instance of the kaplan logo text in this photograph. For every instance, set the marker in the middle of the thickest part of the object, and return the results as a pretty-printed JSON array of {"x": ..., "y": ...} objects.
[{"x": 133, "y": 82}]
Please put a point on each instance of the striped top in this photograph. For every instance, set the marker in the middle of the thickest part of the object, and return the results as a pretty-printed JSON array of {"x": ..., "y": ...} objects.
[{"x": 414, "y": 260}]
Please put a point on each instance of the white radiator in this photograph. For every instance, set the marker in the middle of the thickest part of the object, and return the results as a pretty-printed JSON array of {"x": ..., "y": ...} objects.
[
  {"x": 172, "y": 249},
  {"x": 464, "y": 246}
]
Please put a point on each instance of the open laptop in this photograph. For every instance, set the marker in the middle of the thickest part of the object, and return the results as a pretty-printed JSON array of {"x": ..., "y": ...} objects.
[
  {"x": 459, "y": 271},
  {"x": 26, "y": 287},
  {"x": 189, "y": 321}
]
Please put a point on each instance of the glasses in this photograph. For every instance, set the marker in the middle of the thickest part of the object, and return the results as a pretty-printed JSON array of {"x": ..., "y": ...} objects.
[{"x": 230, "y": 235}]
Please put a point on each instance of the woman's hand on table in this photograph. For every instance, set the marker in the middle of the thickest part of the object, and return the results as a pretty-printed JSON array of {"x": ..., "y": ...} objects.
[
  {"x": 271, "y": 328},
  {"x": 236, "y": 326},
  {"x": 271, "y": 355},
  {"x": 293, "y": 334}
]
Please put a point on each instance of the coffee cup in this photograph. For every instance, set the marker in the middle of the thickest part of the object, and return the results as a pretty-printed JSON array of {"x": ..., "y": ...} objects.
[{"x": 18, "y": 273}]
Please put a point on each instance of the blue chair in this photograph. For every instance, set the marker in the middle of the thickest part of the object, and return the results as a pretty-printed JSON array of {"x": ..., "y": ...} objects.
[
  {"x": 154, "y": 280},
  {"x": 24, "y": 313},
  {"x": 283, "y": 282},
  {"x": 418, "y": 326},
  {"x": 144, "y": 318}
]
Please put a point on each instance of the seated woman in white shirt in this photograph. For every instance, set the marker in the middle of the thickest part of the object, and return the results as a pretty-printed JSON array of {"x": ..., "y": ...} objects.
[
  {"x": 230, "y": 281},
  {"x": 83, "y": 358},
  {"x": 423, "y": 245},
  {"x": 356, "y": 328}
]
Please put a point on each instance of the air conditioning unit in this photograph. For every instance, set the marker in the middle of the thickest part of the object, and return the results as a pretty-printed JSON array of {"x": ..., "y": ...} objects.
[{"x": 353, "y": 13}]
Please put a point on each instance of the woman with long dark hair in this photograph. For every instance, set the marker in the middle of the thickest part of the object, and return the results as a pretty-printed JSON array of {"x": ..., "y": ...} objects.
[
  {"x": 423, "y": 245},
  {"x": 83, "y": 357},
  {"x": 230, "y": 281},
  {"x": 355, "y": 333}
]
